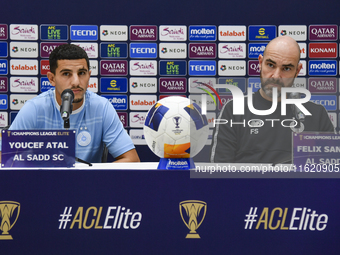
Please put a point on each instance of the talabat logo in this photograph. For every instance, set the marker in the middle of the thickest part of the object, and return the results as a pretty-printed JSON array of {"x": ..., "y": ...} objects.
[
  {"x": 143, "y": 67},
  {"x": 113, "y": 33},
  {"x": 303, "y": 50},
  {"x": 323, "y": 50},
  {"x": 202, "y": 50},
  {"x": 3, "y": 102},
  {"x": 172, "y": 33},
  {"x": 24, "y": 67},
  {"x": 47, "y": 47},
  {"x": 256, "y": 49},
  {"x": 143, "y": 50},
  {"x": 113, "y": 85},
  {"x": 3, "y": 32},
  {"x": 90, "y": 48},
  {"x": 142, "y": 103},
  {"x": 3, "y": 50},
  {"x": 322, "y": 67},
  {"x": 172, "y": 67},
  {"x": 172, "y": 85},
  {"x": 23, "y": 32},
  {"x": 232, "y": 50},
  {"x": 262, "y": 33},
  {"x": 322, "y": 85},
  {"x": 143, "y": 85},
  {"x": 44, "y": 66},
  {"x": 202, "y": 33},
  {"x": 93, "y": 85},
  {"x": 3, "y": 84},
  {"x": 54, "y": 32},
  {"x": 172, "y": 50},
  {"x": 299, "y": 33},
  {"x": 119, "y": 102},
  {"x": 24, "y": 84},
  {"x": 198, "y": 67},
  {"x": 113, "y": 67},
  {"x": 143, "y": 33},
  {"x": 113, "y": 50},
  {"x": 84, "y": 33},
  {"x": 232, "y": 33},
  {"x": 232, "y": 68},
  {"x": 24, "y": 49},
  {"x": 323, "y": 32}
]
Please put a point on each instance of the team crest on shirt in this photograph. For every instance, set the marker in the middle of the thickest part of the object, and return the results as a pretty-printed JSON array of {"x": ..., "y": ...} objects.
[
  {"x": 83, "y": 138},
  {"x": 297, "y": 130}
]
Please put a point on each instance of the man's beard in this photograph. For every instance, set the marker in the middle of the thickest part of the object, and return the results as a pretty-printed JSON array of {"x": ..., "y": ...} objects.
[
  {"x": 269, "y": 90},
  {"x": 78, "y": 100}
]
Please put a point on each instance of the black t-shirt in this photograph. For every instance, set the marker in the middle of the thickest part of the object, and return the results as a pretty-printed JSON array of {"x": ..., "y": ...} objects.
[{"x": 251, "y": 138}]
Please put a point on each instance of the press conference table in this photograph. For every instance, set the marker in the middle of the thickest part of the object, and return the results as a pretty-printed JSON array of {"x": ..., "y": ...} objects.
[{"x": 133, "y": 208}]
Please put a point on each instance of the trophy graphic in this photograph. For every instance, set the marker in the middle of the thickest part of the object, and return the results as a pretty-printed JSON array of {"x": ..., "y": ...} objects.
[
  {"x": 192, "y": 209},
  {"x": 7, "y": 209}
]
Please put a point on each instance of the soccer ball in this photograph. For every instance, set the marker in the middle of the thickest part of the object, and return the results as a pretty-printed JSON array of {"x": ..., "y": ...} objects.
[{"x": 175, "y": 128}]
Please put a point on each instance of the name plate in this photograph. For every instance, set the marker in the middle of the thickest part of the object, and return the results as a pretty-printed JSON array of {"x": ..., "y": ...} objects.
[
  {"x": 316, "y": 148},
  {"x": 38, "y": 148}
]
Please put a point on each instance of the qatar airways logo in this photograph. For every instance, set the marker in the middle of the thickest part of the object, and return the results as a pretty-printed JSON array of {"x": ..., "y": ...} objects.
[
  {"x": 113, "y": 67},
  {"x": 323, "y": 32},
  {"x": 143, "y": 33},
  {"x": 3, "y": 32},
  {"x": 46, "y": 48},
  {"x": 23, "y": 32},
  {"x": 173, "y": 33},
  {"x": 254, "y": 68},
  {"x": 202, "y": 50}
]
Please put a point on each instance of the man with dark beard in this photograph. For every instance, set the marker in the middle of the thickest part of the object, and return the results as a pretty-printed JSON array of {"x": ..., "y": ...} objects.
[
  {"x": 251, "y": 138},
  {"x": 93, "y": 117}
]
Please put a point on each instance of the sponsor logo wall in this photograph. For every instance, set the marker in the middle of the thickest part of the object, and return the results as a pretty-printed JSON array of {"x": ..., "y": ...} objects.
[{"x": 136, "y": 65}]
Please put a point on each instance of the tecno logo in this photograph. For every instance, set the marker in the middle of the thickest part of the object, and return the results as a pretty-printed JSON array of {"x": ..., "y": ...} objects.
[
  {"x": 197, "y": 67},
  {"x": 84, "y": 32},
  {"x": 143, "y": 50}
]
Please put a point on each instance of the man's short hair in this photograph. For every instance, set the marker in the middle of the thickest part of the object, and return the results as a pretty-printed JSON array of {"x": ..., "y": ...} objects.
[{"x": 67, "y": 51}]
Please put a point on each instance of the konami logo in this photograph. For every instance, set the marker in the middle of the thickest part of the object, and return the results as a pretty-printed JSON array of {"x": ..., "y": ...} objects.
[
  {"x": 323, "y": 50},
  {"x": 44, "y": 67},
  {"x": 24, "y": 67}
]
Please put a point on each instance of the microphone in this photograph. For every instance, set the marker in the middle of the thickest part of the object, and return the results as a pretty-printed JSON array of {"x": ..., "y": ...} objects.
[
  {"x": 299, "y": 115},
  {"x": 66, "y": 103}
]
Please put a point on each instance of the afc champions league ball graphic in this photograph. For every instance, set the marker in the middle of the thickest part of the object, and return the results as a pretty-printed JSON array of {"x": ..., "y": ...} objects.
[{"x": 175, "y": 128}]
